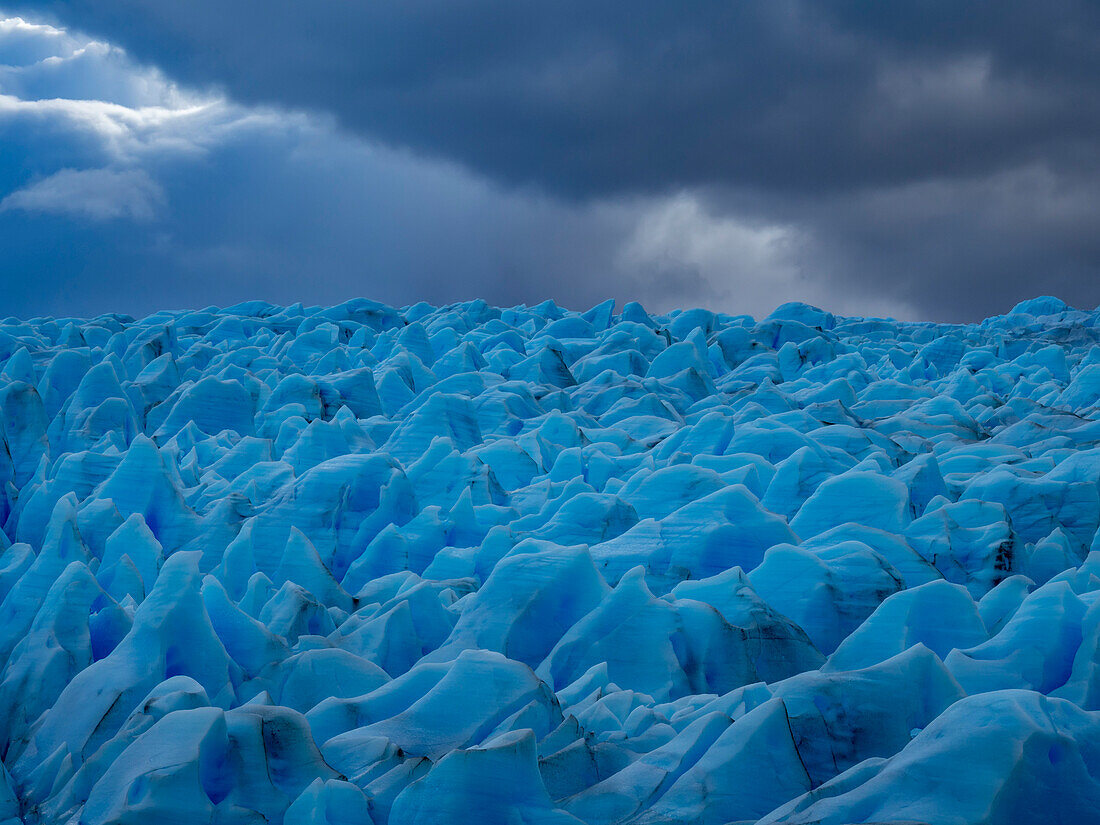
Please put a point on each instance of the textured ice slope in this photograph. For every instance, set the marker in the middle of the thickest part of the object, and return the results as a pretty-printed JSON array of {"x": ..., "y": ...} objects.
[{"x": 359, "y": 565}]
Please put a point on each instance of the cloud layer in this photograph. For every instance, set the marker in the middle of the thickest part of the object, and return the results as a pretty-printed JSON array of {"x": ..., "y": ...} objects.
[
  {"x": 98, "y": 194},
  {"x": 939, "y": 161}
]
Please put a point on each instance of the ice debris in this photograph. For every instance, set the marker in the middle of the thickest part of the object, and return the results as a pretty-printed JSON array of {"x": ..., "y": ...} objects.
[{"x": 359, "y": 564}]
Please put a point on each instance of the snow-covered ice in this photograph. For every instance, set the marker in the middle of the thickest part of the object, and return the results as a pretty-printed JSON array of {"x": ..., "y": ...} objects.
[{"x": 361, "y": 564}]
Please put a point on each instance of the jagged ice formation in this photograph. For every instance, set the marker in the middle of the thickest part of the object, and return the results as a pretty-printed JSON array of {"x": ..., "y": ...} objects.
[{"x": 360, "y": 564}]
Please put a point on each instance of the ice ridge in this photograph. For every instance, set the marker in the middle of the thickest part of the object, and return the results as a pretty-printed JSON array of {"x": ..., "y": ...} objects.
[{"x": 367, "y": 565}]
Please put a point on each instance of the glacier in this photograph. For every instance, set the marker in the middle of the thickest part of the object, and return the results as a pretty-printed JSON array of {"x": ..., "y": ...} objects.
[{"x": 362, "y": 564}]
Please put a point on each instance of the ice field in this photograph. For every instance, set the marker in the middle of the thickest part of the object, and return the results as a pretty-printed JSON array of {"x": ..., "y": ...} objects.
[{"x": 362, "y": 564}]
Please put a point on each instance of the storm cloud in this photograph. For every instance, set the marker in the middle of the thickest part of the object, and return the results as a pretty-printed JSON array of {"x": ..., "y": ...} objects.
[{"x": 933, "y": 159}]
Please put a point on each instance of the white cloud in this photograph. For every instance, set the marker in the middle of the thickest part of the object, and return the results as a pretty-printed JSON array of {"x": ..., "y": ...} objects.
[
  {"x": 9, "y": 25},
  {"x": 96, "y": 194},
  {"x": 739, "y": 262},
  {"x": 695, "y": 256},
  {"x": 94, "y": 90}
]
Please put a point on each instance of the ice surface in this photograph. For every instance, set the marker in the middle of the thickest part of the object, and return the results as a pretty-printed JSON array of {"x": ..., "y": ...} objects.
[{"x": 364, "y": 564}]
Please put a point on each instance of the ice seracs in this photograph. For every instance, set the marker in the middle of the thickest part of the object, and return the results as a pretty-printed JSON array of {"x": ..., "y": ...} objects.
[{"x": 366, "y": 564}]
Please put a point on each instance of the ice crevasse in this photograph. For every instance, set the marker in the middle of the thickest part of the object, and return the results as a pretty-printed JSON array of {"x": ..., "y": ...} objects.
[{"x": 362, "y": 565}]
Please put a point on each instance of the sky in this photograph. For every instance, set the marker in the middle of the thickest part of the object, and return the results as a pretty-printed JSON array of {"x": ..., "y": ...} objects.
[{"x": 929, "y": 160}]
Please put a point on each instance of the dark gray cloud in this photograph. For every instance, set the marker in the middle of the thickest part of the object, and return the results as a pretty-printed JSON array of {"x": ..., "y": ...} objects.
[
  {"x": 934, "y": 159},
  {"x": 593, "y": 98}
]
